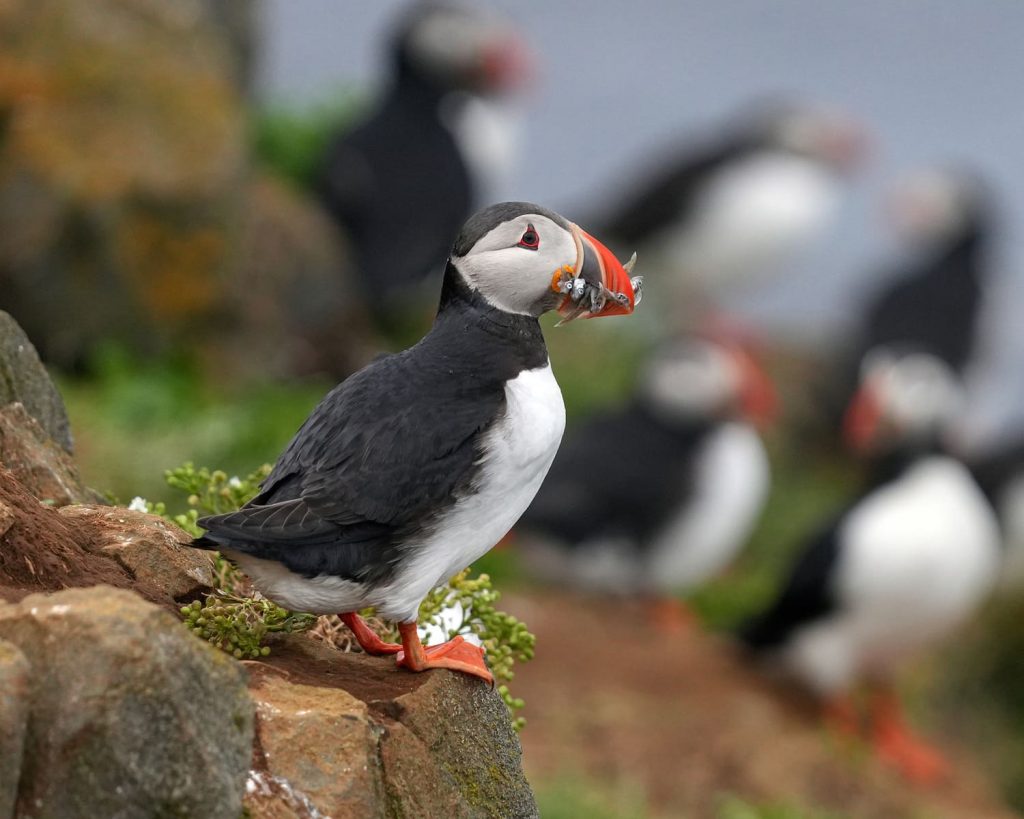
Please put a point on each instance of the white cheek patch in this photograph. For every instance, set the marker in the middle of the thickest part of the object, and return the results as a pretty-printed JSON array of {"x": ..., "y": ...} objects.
[{"x": 517, "y": 279}]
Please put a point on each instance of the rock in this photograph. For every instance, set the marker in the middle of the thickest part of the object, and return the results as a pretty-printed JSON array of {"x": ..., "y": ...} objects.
[
  {"x": 357, "y": 737},
  {"x": 14, "y": 691},
  {"x": 124, "y": 146},
  {"x": 130, "y": 716},
  {"x": 24, "y": 379},
  {"x": 459, "y": 730},
  {"x": 40, "y": 465},
  {"x": 46, "y": 550},
  {"x": 153, "y": 551},
  {"x": 292, "y": 306},
  {"x": 322, "y": 742}
]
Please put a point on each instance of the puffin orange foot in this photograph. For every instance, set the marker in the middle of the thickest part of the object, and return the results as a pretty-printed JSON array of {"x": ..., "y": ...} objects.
[
  {"x": 670, "y": 615},
  {"x": 895, "y": 744},
  {"x": 916, "y": 760},
  {"x": 456, "y": 655},
  {"x": 367, "y": 637}
]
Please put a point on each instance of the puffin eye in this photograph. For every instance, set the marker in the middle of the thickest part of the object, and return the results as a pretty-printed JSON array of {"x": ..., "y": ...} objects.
[{"x": 530, "y": 239}]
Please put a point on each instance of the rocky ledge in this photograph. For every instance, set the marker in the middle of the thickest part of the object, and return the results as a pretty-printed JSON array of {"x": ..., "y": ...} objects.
[{"x": 110, "y": 707}]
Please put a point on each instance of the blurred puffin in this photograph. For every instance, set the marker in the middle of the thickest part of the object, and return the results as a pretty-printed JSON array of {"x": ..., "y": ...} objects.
[
  {"x": 689, "y": 479},
  {"x": 401, "y": 182},
  {"x": 740, "y": 203},
  {"x": 933, "y": 300},
  {"x": 416, "y": 465},
  {"x": 999, "y": 471},
  {"x": 909, "y": 560}
]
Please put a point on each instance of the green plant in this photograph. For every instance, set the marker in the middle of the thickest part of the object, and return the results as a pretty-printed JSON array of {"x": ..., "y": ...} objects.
[
  {"x": 238, "y": 619},
  {"x": 291, "y": 141}
]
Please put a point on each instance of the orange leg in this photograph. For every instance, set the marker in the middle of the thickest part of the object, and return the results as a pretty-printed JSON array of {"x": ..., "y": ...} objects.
[
  {"x": 895, "y": 743},
  {"x": 670, "y": 615},
  {"x": 456, "y": 654},
  {"x": 841, "y": 718},
  {"x": 367, "y": 637}
]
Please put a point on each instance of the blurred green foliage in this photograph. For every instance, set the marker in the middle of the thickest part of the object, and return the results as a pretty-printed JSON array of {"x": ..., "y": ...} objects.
[
  {"x": 291, "y": 140},
  {"x": 133, "y": 419},
  {"x": 732, "y": 807},
  {"x": 572, "y": 796}
]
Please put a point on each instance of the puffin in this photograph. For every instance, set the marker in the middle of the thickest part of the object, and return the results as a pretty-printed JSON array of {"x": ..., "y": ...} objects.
[
  {"x": 738, "y": 204},
  {"x": 416, "y": 465},
  {"x": 400, "y": 182},
  {"x": 905, "y": 563},
  {"x": 932, "y": 299},
  {"x": 689, "y": 480},
  {"x": 999, "y": 471}
]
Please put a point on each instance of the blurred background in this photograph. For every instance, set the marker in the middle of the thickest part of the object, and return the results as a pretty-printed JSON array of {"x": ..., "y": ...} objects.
[{"x": 173, "y": 239}]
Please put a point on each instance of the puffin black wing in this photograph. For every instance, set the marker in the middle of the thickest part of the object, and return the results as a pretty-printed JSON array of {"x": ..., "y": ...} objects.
[
  {"x": 807, "y": 595},
  {"x": 620, "y": 474},
  {"x": 383, "y": 454},
  {"x": 672, "y": 195}
]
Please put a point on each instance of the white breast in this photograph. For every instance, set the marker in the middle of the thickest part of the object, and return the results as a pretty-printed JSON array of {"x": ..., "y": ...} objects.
[
  {"x": 751, "y": 220},
  {"x": 917, "y": 558},
  {"x": 487, "y": 134},
  {"x": 729, "y": 492},
  {"x": 518, "y": 451}
]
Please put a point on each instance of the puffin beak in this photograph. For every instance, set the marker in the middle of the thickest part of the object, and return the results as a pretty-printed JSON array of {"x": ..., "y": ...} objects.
[
  {"x": 759, "y": 402},
  {"x": 845, "y": 144},
  {"x": 860, "y": 423},
  {"x": 599, "y": 285},
  {"x": 506, "y": 64}
]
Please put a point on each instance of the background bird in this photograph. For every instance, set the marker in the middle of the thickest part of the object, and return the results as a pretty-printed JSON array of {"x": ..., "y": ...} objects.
[
  {"x": 401, "y": 182},
  {"x": 689, "y": 479},
  {"x": 907, "y": 561},
  {"x": 418, "y": 464},
  {"x": 932, "y": 299},
  {"x": 737, "y": 205}
]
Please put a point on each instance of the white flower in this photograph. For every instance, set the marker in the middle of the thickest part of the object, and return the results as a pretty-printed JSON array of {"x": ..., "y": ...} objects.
[
  {"x": 139, "y": 504},
  {"x": 234, "y": 482}
]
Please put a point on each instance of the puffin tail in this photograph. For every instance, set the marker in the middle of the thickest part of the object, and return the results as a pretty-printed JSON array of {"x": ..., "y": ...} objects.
[{"x": 203, "y": 542}]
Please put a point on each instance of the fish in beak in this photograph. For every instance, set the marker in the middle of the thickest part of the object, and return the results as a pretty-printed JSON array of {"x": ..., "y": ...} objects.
[{"x": 598, "y": 284}]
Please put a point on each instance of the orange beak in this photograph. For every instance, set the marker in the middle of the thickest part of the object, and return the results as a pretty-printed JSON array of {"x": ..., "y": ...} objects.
[
  {"x": 759, "y": 401},
  {"x": 860, "y": 423},
  {"x": 599, "y": 285},
  {"x": 506, "y": 64}
]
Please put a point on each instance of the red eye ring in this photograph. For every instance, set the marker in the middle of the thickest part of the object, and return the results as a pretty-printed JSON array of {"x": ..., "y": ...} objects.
[{"x": 530, "y": 239}]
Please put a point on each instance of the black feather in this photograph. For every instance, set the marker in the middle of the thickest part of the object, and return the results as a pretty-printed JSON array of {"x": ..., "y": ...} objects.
[{"x": 389, "y": 449}]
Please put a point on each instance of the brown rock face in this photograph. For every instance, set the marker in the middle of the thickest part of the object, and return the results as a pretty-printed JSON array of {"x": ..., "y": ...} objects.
[
  {"x": 292, "y": 306},
  {"x": 43, "y": 549},
  {"x": 123, "y": 145},
  {"x": 358, "y": 739},
  {"x": 152, "y": 551},
  {"x": 24, "y": 380},
  {"x": 129, "y": 715},
  {"x": 14, "y": 704},
  {"x": 39, "y": 464}
]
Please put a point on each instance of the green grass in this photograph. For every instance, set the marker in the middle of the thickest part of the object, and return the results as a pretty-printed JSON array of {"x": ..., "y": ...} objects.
[
  {"x": 807, "y": 490},
  {"x": 574, "y": 796},
  {"x": 291, "y": 140},
  {"x": 133, "y": 421}
]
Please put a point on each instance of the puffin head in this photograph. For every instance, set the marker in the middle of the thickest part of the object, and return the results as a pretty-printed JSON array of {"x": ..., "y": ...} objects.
[
  {"x": 905, "y": 399},
  {"x": 939, "y": 205},
  {"x": 706, "y": 378},
  {"x": 522, "y": 258},
  {"x": 457, "y": 46},
  {"x": 822, "y": 134}
]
